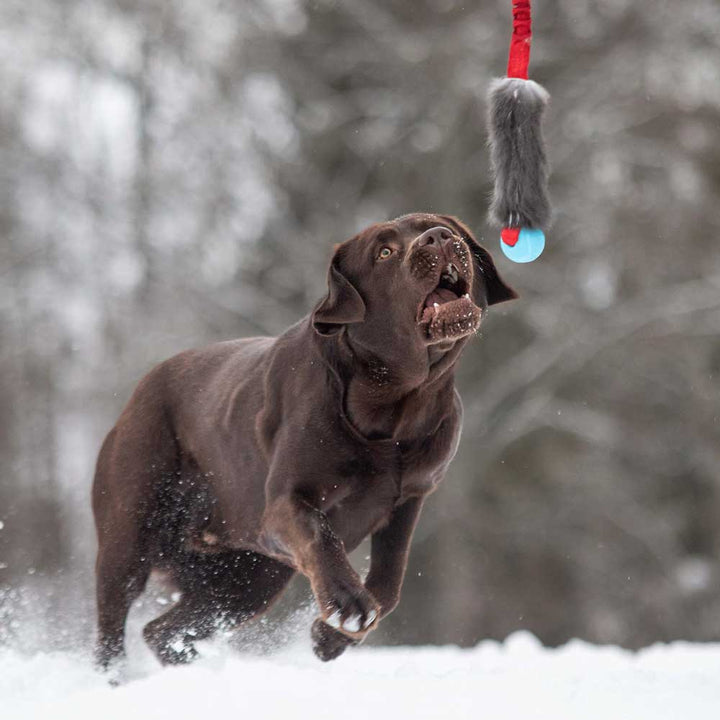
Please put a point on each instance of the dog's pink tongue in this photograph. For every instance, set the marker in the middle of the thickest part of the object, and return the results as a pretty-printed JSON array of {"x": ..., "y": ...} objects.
[{"x": 440, "y": 296}]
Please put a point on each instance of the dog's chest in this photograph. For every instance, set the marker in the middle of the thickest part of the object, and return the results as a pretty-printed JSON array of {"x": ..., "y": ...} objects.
[{"x": 375, "y": 479}]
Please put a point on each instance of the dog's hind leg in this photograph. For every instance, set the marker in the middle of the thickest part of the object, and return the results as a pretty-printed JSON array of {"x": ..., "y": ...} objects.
[
  {"x": 122, "y": 567},
  {"x": 219, "y": 591},
  {"x": 134, "y": 460},
  {"x": 121, "y": 576}
]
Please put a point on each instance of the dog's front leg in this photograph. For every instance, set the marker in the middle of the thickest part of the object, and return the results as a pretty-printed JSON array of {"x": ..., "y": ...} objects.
[
  {"x": 294, "y": 528},
  {"x": 389, "y": 555}
]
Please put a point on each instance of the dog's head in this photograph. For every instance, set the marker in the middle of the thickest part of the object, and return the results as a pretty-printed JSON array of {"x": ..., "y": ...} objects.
[{"x": 420, "y": 280}]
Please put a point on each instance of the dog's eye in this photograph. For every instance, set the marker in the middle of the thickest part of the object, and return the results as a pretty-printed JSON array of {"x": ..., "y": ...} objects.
[{"x": 385, "y": 253}]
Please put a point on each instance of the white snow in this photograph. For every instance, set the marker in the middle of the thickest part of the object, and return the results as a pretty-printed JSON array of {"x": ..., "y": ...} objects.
[{"x": 516, "y": 679}]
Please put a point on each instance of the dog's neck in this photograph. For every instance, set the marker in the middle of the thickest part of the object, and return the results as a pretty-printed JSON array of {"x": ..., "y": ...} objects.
[
  {"x": 378, "y": 415},
  {"x": 383, "y": 398}
]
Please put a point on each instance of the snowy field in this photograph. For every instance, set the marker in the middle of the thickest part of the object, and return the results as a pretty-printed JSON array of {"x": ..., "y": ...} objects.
[{"x": 515, "y": 679}]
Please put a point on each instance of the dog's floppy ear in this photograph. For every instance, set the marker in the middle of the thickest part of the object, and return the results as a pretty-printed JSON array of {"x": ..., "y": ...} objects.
[
  {"x": 497, "y": 289},
  {"x": 341, "y": 306}
]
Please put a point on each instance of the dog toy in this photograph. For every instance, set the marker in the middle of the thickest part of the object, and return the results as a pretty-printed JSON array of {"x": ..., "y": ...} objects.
[{"x": 520, "y": 204}]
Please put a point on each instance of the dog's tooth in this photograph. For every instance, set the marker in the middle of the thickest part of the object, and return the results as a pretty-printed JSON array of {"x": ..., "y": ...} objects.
[
  {"x": 334, "y": 620},
  {"x": 370, "y": 619}
]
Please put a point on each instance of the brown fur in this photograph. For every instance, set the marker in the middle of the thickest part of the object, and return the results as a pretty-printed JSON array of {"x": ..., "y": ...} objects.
[{"x": 234, "y": 466}]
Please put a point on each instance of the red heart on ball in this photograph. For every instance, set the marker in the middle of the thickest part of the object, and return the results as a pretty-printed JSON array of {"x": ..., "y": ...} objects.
[{"x": 510, "y": 236}]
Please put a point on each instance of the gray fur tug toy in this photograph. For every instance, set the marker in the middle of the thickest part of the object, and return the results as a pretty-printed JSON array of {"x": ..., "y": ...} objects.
[{"x": 520, "y": 204}]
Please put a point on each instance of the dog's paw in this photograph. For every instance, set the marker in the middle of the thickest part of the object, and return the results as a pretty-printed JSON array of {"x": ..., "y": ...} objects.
[
  {"x": 328, "y": 643},
  {"x": 114, "y": 671},
  {"x": 179, "y": 652},
  {"x": 171, "y": 647},
  {"x": 351, "y": 611}
]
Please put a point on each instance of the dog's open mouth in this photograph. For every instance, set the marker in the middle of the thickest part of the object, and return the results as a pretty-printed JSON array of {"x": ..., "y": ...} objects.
[{"x": 448, "y": 312}]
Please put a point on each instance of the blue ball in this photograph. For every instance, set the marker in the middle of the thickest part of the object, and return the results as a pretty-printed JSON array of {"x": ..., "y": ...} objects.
[{"x": 530, "y": 244}]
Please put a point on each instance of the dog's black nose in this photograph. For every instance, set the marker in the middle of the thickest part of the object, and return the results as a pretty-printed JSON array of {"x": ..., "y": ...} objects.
[{"x": 437, "y": 236}]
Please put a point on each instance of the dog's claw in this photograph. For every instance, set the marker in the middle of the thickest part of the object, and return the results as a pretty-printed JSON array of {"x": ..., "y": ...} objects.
[
  {"x": 370, "y": 619},
  {"x": 352, "y": 624},
  {"x": 347, "y": 605}
]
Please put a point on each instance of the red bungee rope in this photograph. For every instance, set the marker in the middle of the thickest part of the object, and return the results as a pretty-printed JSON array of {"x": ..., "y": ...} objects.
[{"x": 519, "y": 57}]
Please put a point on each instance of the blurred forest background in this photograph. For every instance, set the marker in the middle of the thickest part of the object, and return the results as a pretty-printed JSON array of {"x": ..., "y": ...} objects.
[{"x": 175, "y": 172}]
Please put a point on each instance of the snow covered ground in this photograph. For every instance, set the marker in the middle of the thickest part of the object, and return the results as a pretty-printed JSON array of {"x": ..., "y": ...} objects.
[{"x": 516, "y": 679}]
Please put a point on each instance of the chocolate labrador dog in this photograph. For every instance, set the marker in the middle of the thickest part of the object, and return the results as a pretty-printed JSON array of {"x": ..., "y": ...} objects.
[{"x": 237, "y": 465}]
